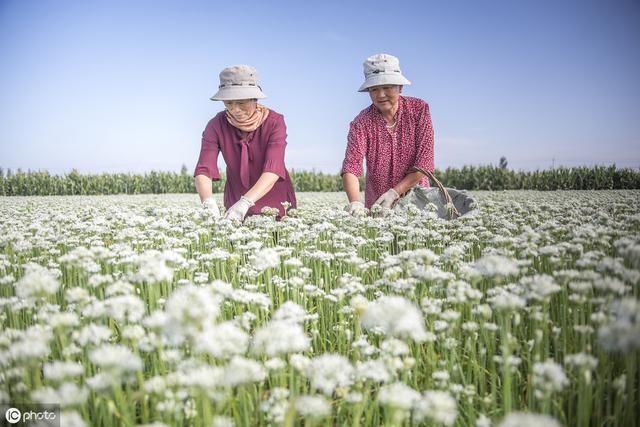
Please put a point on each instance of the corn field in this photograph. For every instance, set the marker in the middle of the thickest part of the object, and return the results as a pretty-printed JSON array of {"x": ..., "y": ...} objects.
[
  {"x": 147, "y": 311},
  {"x": 469, "y": 177}
]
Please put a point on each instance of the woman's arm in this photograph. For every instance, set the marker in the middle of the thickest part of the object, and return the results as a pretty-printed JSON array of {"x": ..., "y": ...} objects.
[
  {"x": 351, "y": 186},
  {"x": 203, "y": 187},
  {"x": 207, "y": 166},
  {"x": 352, "y": 163},
  {"x": 408, "y": 182},
  {"x": 264, "y": 184}
]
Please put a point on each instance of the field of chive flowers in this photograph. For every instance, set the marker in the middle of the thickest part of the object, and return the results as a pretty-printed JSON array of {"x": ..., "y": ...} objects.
[{"x": 143, "y": 310}]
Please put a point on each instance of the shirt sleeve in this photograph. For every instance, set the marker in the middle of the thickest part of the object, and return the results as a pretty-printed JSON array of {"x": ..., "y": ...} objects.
[
  {"x": 208, "y": 160},
  {"x": 356, "y": 149},
  {"x": 274, "y": 156},
  {"x": 424, "y": 140}
]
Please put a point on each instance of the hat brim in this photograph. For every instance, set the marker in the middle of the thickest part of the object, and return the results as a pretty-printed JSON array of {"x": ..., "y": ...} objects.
[
  {"x": 383, "y": 79},
  {"x": 231, "y": 93}
]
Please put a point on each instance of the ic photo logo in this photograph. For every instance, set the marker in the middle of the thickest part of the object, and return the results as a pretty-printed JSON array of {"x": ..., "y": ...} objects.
[
  {"x": 13, "y": 415},
  {"x": 30, "y": 413}
]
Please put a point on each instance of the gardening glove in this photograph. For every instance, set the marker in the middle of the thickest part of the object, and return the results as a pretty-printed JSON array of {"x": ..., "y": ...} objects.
[
  {"x": 239, "y": 209},
  {"x": 211, "y": 207},
  {"x": 388, "y": 199},
  {"x": 356, "y": 208}
]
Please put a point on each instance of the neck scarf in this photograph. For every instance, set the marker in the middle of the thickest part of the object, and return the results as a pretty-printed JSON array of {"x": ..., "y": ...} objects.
[{"x": 249, "y": 124}]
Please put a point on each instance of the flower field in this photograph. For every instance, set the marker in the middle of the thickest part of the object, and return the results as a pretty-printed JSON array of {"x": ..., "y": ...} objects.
[{"x": 143, "y": 310}]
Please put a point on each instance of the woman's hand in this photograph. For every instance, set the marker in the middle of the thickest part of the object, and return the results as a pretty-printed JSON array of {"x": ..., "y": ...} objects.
[
  {"x": 388, "y": 199},
  {"x": 210, "y": 206},
  {"x": 356, "y": 208},
  {"x": 239, "y": 209}
]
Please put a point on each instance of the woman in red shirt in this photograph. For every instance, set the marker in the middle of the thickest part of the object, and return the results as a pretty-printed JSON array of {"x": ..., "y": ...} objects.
[
  {"x": 252, "y": 139},
  {"x": 395, "y": 136}
]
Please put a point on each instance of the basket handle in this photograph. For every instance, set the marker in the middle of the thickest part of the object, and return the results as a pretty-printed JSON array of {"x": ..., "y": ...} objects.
[{"x": 452, "y": 212}]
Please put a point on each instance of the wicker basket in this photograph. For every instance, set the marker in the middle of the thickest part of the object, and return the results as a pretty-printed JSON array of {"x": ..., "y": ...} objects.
[{"x": 451, "y": 212}]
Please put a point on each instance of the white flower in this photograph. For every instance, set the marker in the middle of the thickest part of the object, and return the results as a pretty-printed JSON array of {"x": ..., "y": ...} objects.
[
  {"x": 396, "y": 317},
  {"x": 275, "y": 363},
  {"x": 97, "y": 280},
  {"x": 60, "y": 370},
  {"x": 441, "y": 377},
  {"x": 265, "y": 258},
  {"x": 63, "y": 320},
  {"x": 438, "y": 406},
  {"x": 581, "y": 360},
  {"x": 496, "y": 266},
  {"x": 280, "y": 337},
  {"x": 37, "y": 281},
  {"x": 77, "y": 295},
  {"x": 329, "y": 371},
  {"x": 125, "y": 308},
  {"x": 241, "y": 370},
  {"x": 276, "y": 404},
  {"x": 540, "y": 287},
  {"x": 523, "y": 419},
  {"x": 398, "y": 396},
  {"x": 71, "y": 419},
  {"x": 222, "y": 421},
  {"x": 92, "y": 333},
  {"x": 133, "y": 332},
  {"x": 374, "y": 370},
  {"x": 312, "y": 406},
  {"x": 190, "y": 310},
  {"x": 483, "y": 421},
  {"x": 153, "y": 266},
  {"x": 504, "y": 300},
  {"x": 394, "y": 347},
  {"x": 100, "y": 381},
  {"x": 68, "y": 394},
  {"x": 299, "y": 362},
  {"x": 622, "y": 333},
  {"x": 196, "y": 375},
  {"x": 116, "y": 359},
  {"x": 32, "y": 343},
  {"x": 290, "y": 311},
  {"x": 222, "y": 340},
  {"x": 548, "y": 377}
]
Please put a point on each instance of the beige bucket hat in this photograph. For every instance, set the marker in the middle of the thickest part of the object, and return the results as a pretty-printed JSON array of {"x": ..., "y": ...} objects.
[
  {"x": 382, "y": 69},
  {"x": 238, "y": 82}
]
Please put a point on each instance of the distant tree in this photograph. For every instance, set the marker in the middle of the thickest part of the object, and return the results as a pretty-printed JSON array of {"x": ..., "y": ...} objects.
[
  {"x": 183, "y": 170},
  {"x": 503, "y": 162}
]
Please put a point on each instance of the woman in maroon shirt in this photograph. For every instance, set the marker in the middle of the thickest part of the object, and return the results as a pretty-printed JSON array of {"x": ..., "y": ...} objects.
[
  {"x": 394, "y": 135},
  {"x": 252, "y": 139}
]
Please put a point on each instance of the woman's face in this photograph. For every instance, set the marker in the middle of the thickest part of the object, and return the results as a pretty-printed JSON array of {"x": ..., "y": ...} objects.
[
  {"x": 241, "y": 109},
  {"x": 385, "y": 97}
]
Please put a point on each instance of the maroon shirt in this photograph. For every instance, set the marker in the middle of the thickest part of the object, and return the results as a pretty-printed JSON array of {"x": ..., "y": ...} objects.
[
  {"x": 390, "y": 154},
  {"x": 247, "y": 156}
]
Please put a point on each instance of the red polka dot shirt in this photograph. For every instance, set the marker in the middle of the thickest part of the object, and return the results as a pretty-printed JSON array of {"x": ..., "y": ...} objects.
[{"x": 390, "y": 154}]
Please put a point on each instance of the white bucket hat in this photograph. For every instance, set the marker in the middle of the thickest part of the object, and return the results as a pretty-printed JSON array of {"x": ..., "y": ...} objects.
[
  {"x": 238, "y": 82},
  {"x": 382, "y": 69}
]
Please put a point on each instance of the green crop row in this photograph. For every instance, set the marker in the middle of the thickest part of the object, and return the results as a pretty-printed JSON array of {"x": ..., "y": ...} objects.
[{"x": 42, "y": 183}]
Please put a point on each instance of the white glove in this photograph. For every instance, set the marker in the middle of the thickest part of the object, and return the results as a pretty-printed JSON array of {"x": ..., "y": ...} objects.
[
  {"x": 239, "y": 209},
  {"x": 356, "y": 208},
  {"x": 388, "y": 199},
  {"x": 211, "y": 207}
]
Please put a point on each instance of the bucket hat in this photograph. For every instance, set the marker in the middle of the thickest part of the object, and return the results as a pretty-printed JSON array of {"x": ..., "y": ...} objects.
[
  {"x": 382, "y": 69},
  {"x": 238, "y": 82}
]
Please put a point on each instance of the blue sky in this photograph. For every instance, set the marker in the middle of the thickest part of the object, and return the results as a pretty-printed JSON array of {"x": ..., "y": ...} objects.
[{"x": 113, "y": 86}]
